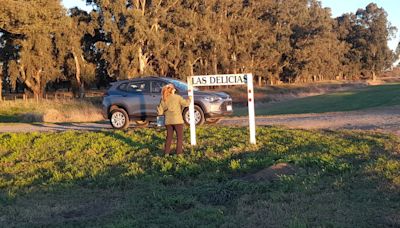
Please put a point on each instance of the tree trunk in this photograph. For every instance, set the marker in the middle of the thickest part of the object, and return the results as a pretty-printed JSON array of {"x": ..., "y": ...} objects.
[
  {"x": 82, "y": 90},
  {"x": 191, "y": 64},
  {"x": 234, "y": 59},
  {"x": 215, "y": 65},
  {"x": 33, "y": 85},
  {"x": 34, "y": 88},
  {"x": 191, "y": 71},
  {"x": 270, "y": 79},
  {"x": 259, "y": 81},
  {"x": 143, "y": 2},
  {"x": 1, "y": 86},
  {"x": 373, "y": 76},
  {"x": 142, "y": 61},
  {"x": 141, "y": 5},
  {"x": 80, "y": 85}
]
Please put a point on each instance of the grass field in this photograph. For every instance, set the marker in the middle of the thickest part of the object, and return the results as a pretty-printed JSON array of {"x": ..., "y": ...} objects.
[
  {"x": 121, "y": 179},
  {"x": 284, "y": 92},
  {"x": 356, "y": 99},
  {"x": 50, "y": 111}
]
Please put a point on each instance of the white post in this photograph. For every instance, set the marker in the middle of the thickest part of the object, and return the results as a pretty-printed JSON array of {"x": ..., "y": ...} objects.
[
  {"x": 230, "y": 79},
  {"x": 252, "y": 119},
  {"x": 191, "y": 113}
]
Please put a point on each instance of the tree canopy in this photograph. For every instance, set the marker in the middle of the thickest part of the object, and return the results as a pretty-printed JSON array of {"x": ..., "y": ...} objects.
[{"x": 278, "y": 41}]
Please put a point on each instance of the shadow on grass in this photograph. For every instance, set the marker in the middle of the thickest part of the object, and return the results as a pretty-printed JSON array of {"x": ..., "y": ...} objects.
[{"x": 204, "y": 187}]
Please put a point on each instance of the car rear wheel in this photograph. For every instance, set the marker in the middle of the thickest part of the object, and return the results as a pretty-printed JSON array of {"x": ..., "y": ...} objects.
[
  {"x": 119, "y": 119},
  {"x": 198, "y": 116}
]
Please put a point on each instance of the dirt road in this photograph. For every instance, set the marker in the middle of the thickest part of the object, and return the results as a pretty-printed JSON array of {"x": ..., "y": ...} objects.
[{"x": 379, "y": 119}]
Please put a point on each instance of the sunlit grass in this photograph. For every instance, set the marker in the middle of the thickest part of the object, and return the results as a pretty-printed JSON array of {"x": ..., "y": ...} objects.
[
  {"x": 116, "y": 178},
  {"x": 370, "y": 97},
  {"x": 49, "y": 111}
]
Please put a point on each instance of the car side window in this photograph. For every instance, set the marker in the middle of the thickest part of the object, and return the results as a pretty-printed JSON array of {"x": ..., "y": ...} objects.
[
  {"x": 156, "y": 86},
  {"x": 138, "y": 87},
  {"x": 123, "y": 86}
]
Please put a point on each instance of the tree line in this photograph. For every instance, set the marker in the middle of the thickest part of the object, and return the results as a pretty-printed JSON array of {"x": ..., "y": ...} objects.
[{"x": 41, "y": 43}]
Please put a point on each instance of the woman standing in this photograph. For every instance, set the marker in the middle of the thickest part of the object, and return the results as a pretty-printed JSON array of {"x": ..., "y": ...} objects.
[{"x": 171, "y": 106}]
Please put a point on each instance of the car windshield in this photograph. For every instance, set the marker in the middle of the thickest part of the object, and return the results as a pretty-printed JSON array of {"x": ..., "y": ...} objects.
[{"x": 180, "y": 85}]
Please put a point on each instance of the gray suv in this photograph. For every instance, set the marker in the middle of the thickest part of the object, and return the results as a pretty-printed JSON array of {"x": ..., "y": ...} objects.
[{"x": 136, "y": 100}]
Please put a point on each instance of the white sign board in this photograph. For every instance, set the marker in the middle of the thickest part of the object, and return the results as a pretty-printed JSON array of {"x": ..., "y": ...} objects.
[{"x": 218, "y": 80}]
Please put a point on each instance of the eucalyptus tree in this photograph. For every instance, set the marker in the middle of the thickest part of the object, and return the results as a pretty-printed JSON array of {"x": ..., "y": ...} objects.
[
  {"x": 397, "y": 56},
  {"x": 367, "y": 32},
  {"x": 260, "y": 41},
  {"x": 316, "y": 51},
  {"x": 4, "y": 55},
  {"x": 184, "y": 52},
  {"x": 134, "y": 34},
  {"x": 33, "y": 25},
  {"x": 73, "y": 49},
  {"x": 376, "y": 54},
  {"x": 212, "y": 31},
  {"x": 344, "y": 29},
  {"x": 282, "y": 16}
]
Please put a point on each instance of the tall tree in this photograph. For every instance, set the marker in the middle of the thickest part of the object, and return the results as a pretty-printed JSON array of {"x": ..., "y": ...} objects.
[
  {"x": 35, "y": 23},
  {"x": 283, "y": 17},
  {"x": 72, "y": 42},
  {"x": 379, "y": 56},
  {"x": 396, "y": 62},
  {"x": 133, "y": 34},
  {"x": 368, "y": 32},
  {"x": 2, "y": 59},
  {"x": 316, "y": 50}
]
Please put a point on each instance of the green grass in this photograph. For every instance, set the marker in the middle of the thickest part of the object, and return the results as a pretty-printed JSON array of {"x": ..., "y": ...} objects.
[
  {"x": 289, "y": 91},
  {"x": 369, "y": 97},
  {"x": 121, "y": 179}
]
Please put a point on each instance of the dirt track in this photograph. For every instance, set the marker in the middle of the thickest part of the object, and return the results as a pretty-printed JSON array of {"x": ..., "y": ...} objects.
[{"x": 382, "y": 119}]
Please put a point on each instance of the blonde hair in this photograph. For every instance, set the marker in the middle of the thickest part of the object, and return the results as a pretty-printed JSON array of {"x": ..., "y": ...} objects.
[{"x": 167, "y": 90}]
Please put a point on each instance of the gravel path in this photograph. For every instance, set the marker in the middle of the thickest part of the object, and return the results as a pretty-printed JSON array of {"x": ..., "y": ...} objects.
[{"x": 382, "y": 119}]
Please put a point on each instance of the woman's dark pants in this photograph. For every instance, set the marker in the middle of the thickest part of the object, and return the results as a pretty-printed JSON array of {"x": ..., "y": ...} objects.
[{"x": 178, "y": 128}]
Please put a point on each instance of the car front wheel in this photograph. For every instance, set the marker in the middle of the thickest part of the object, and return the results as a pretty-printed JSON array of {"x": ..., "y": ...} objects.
[
  {"x": 198, "y": 116},
  {"x": 119, "y": 119}
]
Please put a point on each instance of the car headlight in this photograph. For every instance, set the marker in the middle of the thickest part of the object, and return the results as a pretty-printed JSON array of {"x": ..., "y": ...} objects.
[{"x": 212, "y": 98}]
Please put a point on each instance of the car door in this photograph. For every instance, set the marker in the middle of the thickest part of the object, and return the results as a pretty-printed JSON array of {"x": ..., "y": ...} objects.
[
  {"x": 156, "y": 88},
  {"x": 137, "y": 95}
]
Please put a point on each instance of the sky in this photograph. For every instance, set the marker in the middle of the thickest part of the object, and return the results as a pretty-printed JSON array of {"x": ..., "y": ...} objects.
[{"x": 338, "y": 7}]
